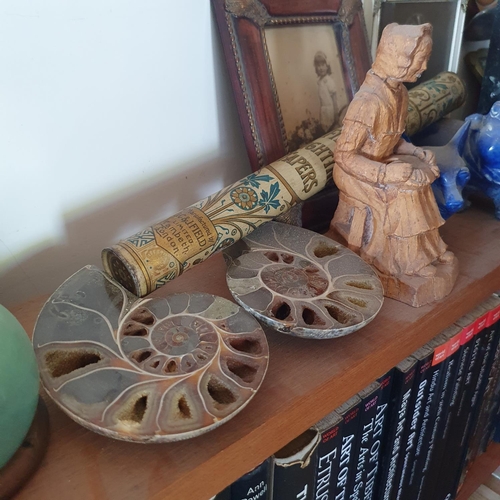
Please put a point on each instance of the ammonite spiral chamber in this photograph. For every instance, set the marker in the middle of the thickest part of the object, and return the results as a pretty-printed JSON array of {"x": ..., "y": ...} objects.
[
  {"x": 149, "y": 370},
  {"x": 302, "y": 283}
]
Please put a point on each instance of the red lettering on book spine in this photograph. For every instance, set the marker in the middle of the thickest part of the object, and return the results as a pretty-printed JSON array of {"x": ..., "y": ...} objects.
[
  {"x": 385, "y": 382},
  {"x": 330, "y": 434},
  {"x": 476, "y": 327},
  {"x": 352, "y": 414},
  {"x": 493, "y": 316},
  {"x": 481, "y": 322},
  {"x": 454, "y": 344},
  {"x": 467, "y": 334},
  {"x": 439, "y": 354}
]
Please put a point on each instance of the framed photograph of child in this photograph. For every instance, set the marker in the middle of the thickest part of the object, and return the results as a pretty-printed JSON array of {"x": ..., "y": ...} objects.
[{"x": 294, "y": 67}]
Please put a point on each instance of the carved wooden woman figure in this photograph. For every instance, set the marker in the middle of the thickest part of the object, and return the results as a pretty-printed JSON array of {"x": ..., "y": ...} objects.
[{"x": 387, "y": 211}]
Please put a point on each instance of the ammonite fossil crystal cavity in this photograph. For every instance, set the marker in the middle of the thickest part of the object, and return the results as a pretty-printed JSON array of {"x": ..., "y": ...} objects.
[
  {"x": 148, "y": 370},
  {"x": 301, "y": 283}
]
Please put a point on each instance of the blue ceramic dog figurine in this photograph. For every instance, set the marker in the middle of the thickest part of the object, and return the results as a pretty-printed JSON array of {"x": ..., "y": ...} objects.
[
  {"x": 454, "y": 173},
  {"x": 482, "y": 154},
  {"x": 448, "y": 187}
]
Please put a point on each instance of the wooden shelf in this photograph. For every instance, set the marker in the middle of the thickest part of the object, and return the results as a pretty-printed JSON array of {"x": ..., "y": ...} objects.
[
  {"x": 306, "y": 380},
  {"x": 480, "y": 471}
]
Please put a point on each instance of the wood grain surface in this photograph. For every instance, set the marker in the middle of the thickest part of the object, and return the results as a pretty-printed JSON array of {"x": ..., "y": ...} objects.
[
  {"x": 480, "y": 471},
  {"x": 306, "y": 380}
]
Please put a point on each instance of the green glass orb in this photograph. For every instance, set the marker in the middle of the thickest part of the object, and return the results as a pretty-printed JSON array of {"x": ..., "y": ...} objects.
[{"x": 18, "y": 385}]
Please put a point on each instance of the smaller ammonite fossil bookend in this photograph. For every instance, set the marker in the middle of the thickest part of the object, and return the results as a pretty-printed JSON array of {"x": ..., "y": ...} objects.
[{"x": 302, "y": 283}]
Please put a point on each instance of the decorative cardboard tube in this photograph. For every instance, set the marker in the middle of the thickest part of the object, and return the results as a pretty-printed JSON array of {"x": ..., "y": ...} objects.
[
  {"x": 160, "y": 253},
  {"x": 433, "y": 99}
]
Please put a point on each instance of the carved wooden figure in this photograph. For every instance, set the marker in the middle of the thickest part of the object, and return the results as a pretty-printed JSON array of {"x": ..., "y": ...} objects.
[{"x": 387, "y": 212}]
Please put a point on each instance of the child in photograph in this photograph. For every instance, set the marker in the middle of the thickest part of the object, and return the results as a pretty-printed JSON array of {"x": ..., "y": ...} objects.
[{"x": 326, "y": 91}]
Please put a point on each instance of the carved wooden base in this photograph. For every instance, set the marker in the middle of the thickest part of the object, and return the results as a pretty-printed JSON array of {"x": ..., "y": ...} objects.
[{"x": 418, "y": 291}]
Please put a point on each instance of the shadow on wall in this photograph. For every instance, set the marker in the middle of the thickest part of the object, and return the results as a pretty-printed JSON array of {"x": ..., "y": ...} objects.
[
  {"x": 41, "y": 269},
  {"x": 86, "y": 234}
]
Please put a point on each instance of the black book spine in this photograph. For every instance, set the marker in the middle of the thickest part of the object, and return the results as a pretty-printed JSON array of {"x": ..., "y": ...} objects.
[
  {"x": 424, "y": 357},
  {"x": 328, "y": 455},
  {"x": 351, "y": 414},
  {"x": 380, "y": 431},
  {"x": 404, "y": 376},
  {"x": 293, "y": 468},
  {"x": 477, "y": 368},
  {"x": 456, "y": 421},
  {"x": 495, "y": 417},
  {"x": 254, "y": 485},
  {"x": 484, "y": 374},
  {"x": 369, "y": 399},
  {"x": 483, "y": 428},
  {"x": 436, "y": 445},
  {"x": 489, "y": 403},
  {"x": 439, "y": 344},
  {"x": 492, "y": 397}
]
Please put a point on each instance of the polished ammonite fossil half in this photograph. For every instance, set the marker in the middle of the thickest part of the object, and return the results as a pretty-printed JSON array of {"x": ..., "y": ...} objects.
[
  {"x": 302, "y": 283},
  {"x": 151, "y": 370}
]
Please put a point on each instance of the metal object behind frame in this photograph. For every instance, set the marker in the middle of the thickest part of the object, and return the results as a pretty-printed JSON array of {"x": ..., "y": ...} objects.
[{"x": 454, "y": 53}]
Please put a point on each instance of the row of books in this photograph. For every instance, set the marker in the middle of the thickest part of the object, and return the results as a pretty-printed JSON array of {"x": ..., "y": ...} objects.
[{"x": 410, "y": 435}]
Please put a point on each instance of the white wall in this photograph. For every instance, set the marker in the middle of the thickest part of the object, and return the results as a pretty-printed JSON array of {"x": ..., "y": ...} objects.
[{"x": 113, "y": 115}]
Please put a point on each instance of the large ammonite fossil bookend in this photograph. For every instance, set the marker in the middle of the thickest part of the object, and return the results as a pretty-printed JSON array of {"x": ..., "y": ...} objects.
[
  {"x": 149, "y": 370},
  {"x": 302, "y": 283}
]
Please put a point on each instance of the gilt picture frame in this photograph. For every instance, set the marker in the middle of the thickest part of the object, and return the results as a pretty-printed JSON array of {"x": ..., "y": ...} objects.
[{"x": 294, "y": 67}]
